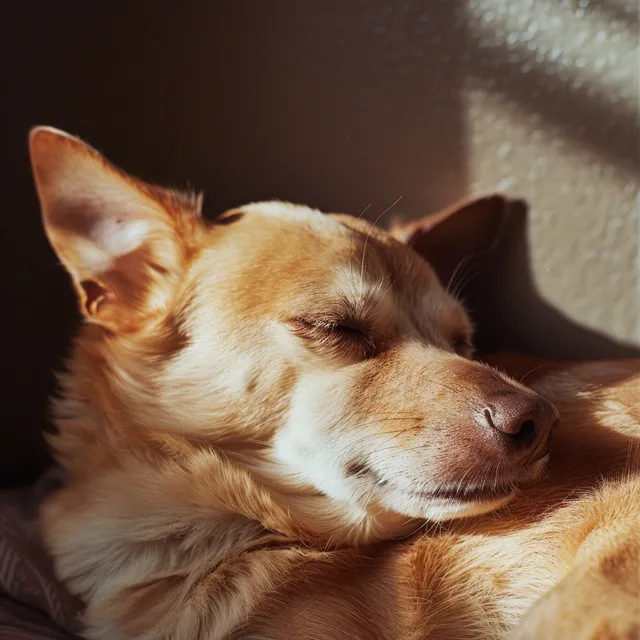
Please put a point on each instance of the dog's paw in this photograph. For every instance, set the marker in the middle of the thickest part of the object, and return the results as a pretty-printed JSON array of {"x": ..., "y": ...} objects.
[
  {"x": 544, "y": 628},
  {"x": 579, "y": 609}
]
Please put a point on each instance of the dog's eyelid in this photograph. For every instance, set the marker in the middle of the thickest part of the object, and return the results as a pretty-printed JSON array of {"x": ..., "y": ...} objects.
[
  {"x": 329, "y": 323},
  {"x": 335, "y": 332},
  {"x": 351, "y": 326}
]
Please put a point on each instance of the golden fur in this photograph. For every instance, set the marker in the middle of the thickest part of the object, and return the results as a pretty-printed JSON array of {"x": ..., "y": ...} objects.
[{"x": 260, "y": 415}]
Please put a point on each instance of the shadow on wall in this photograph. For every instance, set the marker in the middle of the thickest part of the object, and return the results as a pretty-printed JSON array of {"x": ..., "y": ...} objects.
[
  {"x": 609, "y": 131},
  {"x": 620, "y": 11},
  {"x": 509, "y": 311},
  {"x": 536, "y": 80}
]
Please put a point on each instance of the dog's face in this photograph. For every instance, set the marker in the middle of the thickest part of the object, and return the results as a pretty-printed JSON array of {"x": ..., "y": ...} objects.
[{"x": 316, "y": 351}]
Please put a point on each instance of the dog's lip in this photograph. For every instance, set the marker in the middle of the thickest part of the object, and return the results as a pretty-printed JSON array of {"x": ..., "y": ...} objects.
[
  {"x": 466, "y": 494},
  {"x": 484, "y": 493},
  {"x": 479, "y": 493}
]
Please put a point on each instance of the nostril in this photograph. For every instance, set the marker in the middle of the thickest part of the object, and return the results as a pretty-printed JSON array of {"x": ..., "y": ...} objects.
[{"x": 526, "y": 435}]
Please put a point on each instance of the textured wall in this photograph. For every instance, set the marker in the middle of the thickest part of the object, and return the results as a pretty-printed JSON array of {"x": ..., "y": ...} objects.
[
  {"x": 553, "y": 103},
  {"x": 345, "y": 105}
]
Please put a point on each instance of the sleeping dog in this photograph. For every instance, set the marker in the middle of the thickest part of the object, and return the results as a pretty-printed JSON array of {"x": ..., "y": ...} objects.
[{"x": 273, "y": 428}]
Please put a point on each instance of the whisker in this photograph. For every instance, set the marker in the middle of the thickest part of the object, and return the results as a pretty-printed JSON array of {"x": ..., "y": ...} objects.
[
  {"x": 455, "y": 283},
  {"x": 465, "y": 279},
  {"x": 533, "y": 370},
  {"x": 364, "y": 211},
  {"x": 377, "y": 422},
  {"x": 366, "y": 240}
]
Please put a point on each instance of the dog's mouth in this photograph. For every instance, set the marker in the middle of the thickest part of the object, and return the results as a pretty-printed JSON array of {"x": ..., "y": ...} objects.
[
  {"x": 489, "y": 493},
  {"x": 466, "y": 494},
  {"x": 457, "y": 498},
  {"x": 530, "y": 470},
  {"x": 460, "y": 494},
  {"x": 469, "y": 494}
]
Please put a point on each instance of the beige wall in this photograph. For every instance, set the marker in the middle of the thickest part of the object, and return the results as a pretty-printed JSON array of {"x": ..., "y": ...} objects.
[{"x": 553, "y": 116}]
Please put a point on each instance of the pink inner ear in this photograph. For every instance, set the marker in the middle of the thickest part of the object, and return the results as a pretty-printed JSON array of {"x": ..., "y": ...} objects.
[{"x": 94, "y": 294}]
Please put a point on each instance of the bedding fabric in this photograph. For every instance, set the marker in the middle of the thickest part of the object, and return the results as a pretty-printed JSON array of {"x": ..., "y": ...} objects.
[{"x": 33, "y": 604}]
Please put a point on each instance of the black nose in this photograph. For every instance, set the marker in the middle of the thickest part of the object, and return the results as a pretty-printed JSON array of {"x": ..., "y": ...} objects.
[{"x": 521, "y": 419}]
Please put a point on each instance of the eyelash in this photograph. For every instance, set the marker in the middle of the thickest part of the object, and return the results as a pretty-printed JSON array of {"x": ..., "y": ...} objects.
[{"x": 325, "y": 331}]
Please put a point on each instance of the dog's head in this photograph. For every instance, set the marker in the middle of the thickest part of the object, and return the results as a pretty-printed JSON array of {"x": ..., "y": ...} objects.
[{"x": 316, "y": 351}]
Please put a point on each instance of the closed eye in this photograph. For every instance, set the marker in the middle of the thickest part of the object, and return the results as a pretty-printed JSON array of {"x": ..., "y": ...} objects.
[{"x": 344, "y": 335}]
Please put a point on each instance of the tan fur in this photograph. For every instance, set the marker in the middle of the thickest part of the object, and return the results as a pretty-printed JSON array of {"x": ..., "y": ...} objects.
[{"x": 241, "y": 468}]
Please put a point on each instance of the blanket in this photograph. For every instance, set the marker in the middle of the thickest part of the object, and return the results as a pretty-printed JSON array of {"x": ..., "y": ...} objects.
[{"x": 33, "y": 604}]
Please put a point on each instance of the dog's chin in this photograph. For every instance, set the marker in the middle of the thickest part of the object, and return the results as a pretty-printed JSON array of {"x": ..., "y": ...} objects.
[
  {"x": 440, "y": 507},
  {"x": 444, "y": 503}
]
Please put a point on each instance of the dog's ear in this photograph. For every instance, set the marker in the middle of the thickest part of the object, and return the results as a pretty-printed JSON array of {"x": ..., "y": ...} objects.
[
  {"x": 445, "y": 239},
  {"x": 123, "y": 242}
]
